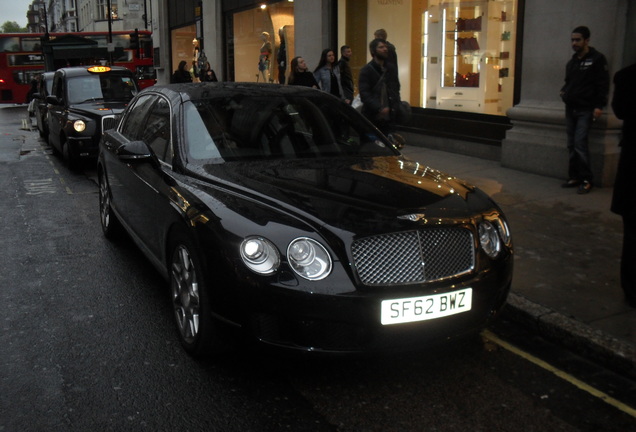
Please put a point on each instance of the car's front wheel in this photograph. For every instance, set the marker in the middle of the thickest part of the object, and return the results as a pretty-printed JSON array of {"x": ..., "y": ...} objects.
[
  {"x": 200, "y": 335},
  {"x": 109, "y": 222},
  {"x": 69, "y": 157}
]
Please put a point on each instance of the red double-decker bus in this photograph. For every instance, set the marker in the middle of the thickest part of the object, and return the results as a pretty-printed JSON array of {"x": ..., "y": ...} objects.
[{"x": 22, "y": 57}]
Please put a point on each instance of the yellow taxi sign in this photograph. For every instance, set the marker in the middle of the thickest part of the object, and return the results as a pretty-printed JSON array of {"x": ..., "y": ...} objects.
[{"x": 98, "y": 69}]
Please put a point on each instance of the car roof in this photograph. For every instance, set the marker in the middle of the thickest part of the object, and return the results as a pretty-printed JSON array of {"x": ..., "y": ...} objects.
[
  {"x": 197, "y": 91},
  {"x": 83, "y": 70}
]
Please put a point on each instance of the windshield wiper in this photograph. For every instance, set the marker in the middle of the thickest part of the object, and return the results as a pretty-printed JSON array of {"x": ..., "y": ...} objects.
[{"x": 93, "y": 99}]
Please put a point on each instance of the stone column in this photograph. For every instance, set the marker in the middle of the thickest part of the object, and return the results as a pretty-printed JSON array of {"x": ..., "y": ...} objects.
[{"x": 537, "y": 142}]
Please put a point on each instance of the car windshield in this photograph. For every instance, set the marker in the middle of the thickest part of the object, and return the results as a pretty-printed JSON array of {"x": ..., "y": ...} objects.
[
  {"x": 277, "y": 127},
  {"x": 107, "y": 87}
]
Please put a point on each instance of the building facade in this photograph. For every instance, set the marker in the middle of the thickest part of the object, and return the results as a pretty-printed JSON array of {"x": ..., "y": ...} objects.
[
  {"x": 62, "y": 16},
  {"x": 483, "y": 76}
]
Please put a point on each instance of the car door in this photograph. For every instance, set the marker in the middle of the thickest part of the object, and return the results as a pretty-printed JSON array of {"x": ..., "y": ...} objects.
[
  {"x": 56, "y": 112},
  {"x": 149, "y": 186},
  {"x": 121, "y": 177}
]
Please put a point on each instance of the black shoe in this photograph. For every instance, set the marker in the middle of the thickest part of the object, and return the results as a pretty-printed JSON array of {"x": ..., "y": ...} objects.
[
  {"x": 584, "y": 188},
  {"x": 571, "y": 183}
]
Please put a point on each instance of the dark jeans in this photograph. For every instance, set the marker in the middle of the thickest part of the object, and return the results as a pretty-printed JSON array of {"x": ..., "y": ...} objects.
[
  {"x": 628, "y": 258},
  {"x": 578, "y": 123}
]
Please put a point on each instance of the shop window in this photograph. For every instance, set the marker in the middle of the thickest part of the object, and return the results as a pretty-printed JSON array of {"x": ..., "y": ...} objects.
[
  {"x": 468, "y": 51},
  {"x": 263, "y": 41}
]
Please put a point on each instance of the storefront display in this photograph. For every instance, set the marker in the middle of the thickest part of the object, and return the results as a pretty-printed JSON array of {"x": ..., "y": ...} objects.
[
  {"x": 475, "y": 44},
  {"x": 263, "y": 42}
]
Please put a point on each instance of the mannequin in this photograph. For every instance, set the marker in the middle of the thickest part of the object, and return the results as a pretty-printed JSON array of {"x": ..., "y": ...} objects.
[
  {"x": 263, "y": 59},
  {"x": 281, "y": 57}
]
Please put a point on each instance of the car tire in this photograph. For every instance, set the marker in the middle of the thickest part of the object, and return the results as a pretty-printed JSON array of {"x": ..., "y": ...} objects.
[
  {"x": 110, "y": 224},
  {"x": 69, "y": 158},
  {"x": 190, "y": 292}
]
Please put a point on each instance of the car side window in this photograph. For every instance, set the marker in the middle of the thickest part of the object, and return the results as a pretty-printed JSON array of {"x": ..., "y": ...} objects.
[
  {"x": 156, "y": 131},
  {"x": 133, "y": 126},
  {"x": 198, "y": 125}
]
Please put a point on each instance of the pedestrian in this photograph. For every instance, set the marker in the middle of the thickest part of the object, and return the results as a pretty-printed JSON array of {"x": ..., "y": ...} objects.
[
  {"x": 346, "y": 77},
  {"x": 379, "y": 89},
  {"x": 624, "y": 197},
  {"x": 585, "y": 95},
  {"x": 327, "y": 74},
  {"x": 207, "y": 73},
  {"x": 392, "y": 56},
  {"x": 299, "y": 74},
  {"x": 181, "y": 75}
]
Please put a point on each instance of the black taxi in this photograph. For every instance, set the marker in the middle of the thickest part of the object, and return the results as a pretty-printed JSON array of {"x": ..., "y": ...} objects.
[{"x": 83, "y": 103}]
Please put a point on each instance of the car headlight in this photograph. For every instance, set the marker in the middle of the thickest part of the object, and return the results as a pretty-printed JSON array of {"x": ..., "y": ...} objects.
[
  {"x": 79, "y": 125},
  {"x": 504, "y": 231},
  {"x": 260, "y": 255},
  {"x": 489, "y": 239},
  {"x": 309, "y": 259}
]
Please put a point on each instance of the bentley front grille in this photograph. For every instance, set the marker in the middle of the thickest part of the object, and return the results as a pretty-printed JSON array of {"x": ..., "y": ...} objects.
[
  {"x": 108, "y": 122},
  {"x": 414, "y": 256}
]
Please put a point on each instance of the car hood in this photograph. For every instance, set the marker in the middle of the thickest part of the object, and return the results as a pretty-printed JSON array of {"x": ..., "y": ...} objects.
[
  {"x": 99, "y": 108},
  {"x": 366, "y": 195}
]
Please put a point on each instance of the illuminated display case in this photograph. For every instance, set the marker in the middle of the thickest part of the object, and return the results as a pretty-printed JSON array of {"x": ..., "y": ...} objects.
[{"x": 469, "y": 55}]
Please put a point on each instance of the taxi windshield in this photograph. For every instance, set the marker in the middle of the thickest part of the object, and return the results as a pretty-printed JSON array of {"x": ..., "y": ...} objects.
[{"x": 107, "y": 87}]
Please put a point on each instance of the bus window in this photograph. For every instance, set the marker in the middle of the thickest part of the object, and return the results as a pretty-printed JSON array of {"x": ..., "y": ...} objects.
[
  {"x": 31, "y": 44},
  {"x": 121, "y": 41},
  {"x": 25, "y": 76},
  {"x": 9, "y": 44}
]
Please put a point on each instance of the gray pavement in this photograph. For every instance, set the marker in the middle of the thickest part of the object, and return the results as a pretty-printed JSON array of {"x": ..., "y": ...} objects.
[
  {"x": 567, "y": 249},
  {"x": 566, "y": 282}
]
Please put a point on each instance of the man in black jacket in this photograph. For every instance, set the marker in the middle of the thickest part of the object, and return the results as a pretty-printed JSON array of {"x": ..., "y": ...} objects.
[
  {"x": 379, "y": 88},
  {"x": 624, "y": 198},
  {"x": 346, "y": 78},
  {"x": 585, "y": 95}
]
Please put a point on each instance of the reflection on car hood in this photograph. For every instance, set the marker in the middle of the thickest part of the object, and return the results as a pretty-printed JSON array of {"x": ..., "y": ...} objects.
[
  {"x": 346, "y": 193},
  {"x": 99, "y": 108}
]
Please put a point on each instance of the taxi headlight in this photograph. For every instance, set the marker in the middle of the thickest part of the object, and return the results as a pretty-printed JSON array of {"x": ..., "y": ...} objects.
[
  {"x": 79, "y": 125},
  {"x": 489, "y": 239},
  {"x": 309, "y": 259},
  {"x": 260, "y": 255}
]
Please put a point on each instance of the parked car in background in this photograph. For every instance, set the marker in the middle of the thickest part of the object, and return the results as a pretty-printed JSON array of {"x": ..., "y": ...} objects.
[
  {"x": 283, "y": 212},
  {"x": 41, "y": 112},
  {"x": 83, "y": 103}
]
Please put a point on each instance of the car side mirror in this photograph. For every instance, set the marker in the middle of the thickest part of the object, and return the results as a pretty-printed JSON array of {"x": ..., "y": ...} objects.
[
  {"x": 134, "y": 151},
  {"x": 53, "y": 100}
]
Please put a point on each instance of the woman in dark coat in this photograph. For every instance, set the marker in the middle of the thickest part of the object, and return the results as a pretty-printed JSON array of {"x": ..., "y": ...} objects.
[
  {"x": 207, "y": 74},
  {"x": 299, "y": 74},
  {"x": 181, "y": 75}
]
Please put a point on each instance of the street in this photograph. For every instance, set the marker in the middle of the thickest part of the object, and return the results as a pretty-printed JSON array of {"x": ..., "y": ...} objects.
[{"x": 88, "y": 343}]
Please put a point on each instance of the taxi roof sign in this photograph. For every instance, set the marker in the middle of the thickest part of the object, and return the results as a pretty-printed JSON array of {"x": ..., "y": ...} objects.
[{"x": 98, "y": 69}]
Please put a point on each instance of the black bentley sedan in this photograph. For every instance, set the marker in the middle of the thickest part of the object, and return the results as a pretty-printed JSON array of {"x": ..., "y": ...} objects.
[
  {"x": 83, "y": 103},
  {"x": 283, "y": 212}
]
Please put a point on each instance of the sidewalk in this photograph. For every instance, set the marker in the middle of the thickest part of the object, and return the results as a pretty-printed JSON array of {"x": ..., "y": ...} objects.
[{"x": 566, "y": 282}]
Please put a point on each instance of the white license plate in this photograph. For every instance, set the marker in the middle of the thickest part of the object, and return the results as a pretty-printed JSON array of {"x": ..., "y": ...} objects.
[{"x": 426, "y": 307}]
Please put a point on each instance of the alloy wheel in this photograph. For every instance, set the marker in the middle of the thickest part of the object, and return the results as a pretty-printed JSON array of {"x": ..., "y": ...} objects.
[{"x": 185, "y": 294}]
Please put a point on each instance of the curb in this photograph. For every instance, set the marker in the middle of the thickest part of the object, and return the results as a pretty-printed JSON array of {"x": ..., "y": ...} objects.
[{"x": 584, "y": 340}]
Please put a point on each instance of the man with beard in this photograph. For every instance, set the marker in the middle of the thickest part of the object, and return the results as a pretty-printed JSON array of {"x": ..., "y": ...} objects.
[
  {"x": 346, "y": 79},
  {"x": 380, "y": 89}
]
